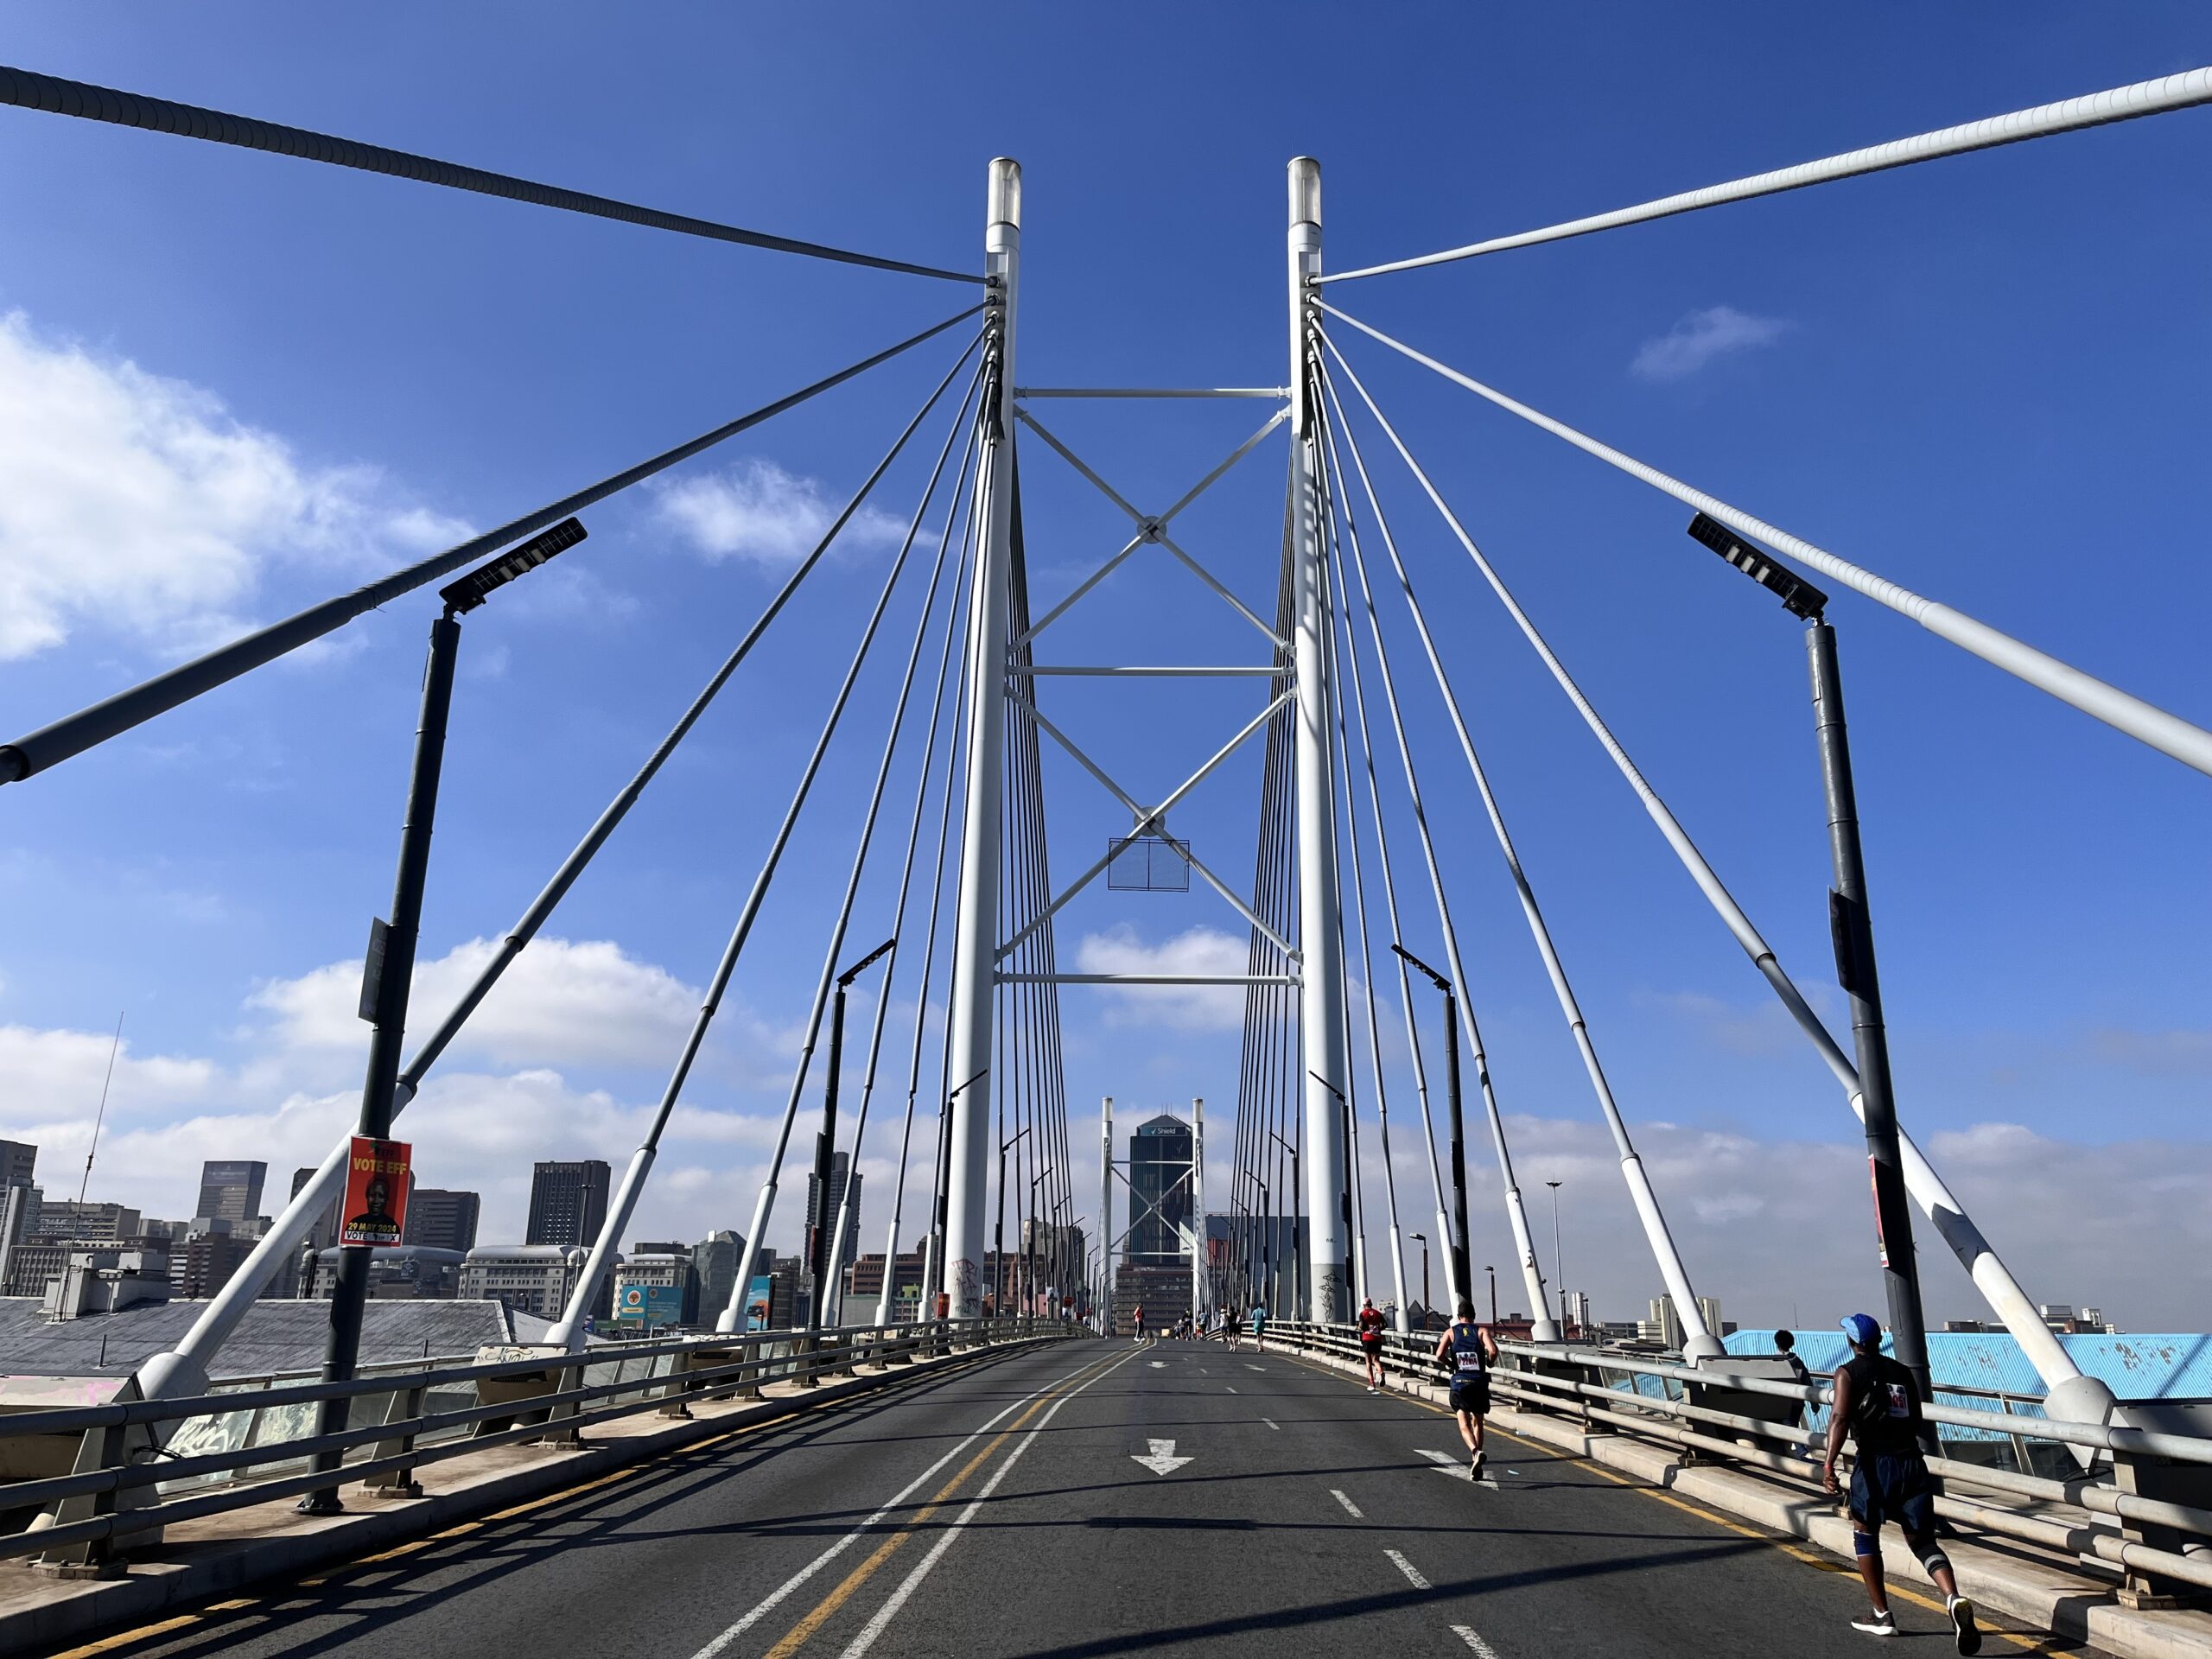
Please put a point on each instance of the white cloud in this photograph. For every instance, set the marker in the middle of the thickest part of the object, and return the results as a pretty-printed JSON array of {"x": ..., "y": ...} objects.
[
  {"x": 1181, "y": 1008},
  {"x": 140, "y": 502},
  {"x": 562, "y": 1002},
  {"x": 1700, "y": 337},
  {"x": 756, "y": 509}
]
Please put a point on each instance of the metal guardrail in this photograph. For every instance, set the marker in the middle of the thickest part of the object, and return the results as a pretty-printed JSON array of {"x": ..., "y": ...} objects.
[
  {"x": 132, "y": 1456},
  {"x": 2119, "y": 1513}
]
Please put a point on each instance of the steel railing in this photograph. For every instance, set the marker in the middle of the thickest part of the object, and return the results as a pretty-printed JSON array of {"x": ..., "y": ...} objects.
[
  {"x": 2108, "y": 1516},
  {"x": 132, "y": 1459}
]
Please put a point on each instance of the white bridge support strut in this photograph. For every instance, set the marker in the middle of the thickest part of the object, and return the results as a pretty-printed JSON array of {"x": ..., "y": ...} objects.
[
  {"x": 977, "y": 924},
  {"x": 1324, "y": 1050}
]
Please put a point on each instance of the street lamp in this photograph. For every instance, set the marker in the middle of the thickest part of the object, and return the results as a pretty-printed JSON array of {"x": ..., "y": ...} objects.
[
  {"x": 1029, "y": 1288},
  {"x": 998, "y": 1235},
  {"x": 1461, "y": 1275},
  {"x": 1422, "y": 1239},
  {"x": 1558, "y": 1273},
  {"x": 1493, "y": 1292},
  {"x": 1851, "y": 931},
  {"x": 390, "y": 969},
  {"x": 1266, "y": 1239},
  {"x": 937, "y": 1224},
  {"x": 822, "y": 1252},
  {"x": 1297, "y": 1232}
]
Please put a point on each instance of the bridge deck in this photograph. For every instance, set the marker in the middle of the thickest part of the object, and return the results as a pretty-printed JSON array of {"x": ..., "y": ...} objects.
[{"x": 1003, "y": 1511}]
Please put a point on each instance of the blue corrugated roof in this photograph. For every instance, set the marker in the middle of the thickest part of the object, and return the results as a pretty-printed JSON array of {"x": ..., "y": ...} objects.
[{"x": 2152, "y": 1366}]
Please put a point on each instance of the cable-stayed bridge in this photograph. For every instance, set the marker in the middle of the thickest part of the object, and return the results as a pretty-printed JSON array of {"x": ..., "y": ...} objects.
[{"x": 834, "y": 1470}]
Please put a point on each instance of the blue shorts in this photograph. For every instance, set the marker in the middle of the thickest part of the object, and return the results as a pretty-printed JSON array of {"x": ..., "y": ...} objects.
[
  {"x": 1471, "y": 1393},
  {"x": 1893, "y": 1486}
]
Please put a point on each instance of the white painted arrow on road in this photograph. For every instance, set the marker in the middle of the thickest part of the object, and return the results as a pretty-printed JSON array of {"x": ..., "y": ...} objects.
[
  {"x": 1446, "y": 1463},
  {"x": 1163, "y": 1460}
]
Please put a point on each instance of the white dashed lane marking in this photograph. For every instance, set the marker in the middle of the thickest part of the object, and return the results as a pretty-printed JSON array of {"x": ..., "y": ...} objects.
[
  {"x": 1350, "y": 1508},
  {"x": 1413, "y": 1573},
  {"x": 1482, "y": 1649}
]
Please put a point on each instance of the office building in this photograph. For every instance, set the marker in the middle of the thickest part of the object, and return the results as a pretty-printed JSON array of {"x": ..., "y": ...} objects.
[
  {"x": 656, "y": 1287},
  {"x": 567, "y": 1203},
  {"x": 442, "y": 1219},
  {"x": 523, "y": 1278},
  {"x": 840, "y": 1167},
  {"x": 203, "y": 1264},
  {"x": 17, "y": 1159},
  {"x": 714, "y": 1264},
  {"x": 1159, "y": 1193},
  {"x": 89, "y": 1223},
  {"x": 19, "y": 1212},
  {"x": 230, "y": 1189}
]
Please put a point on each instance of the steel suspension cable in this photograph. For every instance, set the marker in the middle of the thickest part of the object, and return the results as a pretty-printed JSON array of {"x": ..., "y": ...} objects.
[
  {"x": 766, "y": 1203},
  {"x": 2146, "y": 722},
  {"x": 2094, "y": 109},
  {"x": 569, "y": 1329},
  {"x": 1453, "y": 1290},
  {"x": 1928, "y": 1189},
  {"x": 27, "y": 90},
  {"x": 1342, "y": 617},
  {"x": 1668, "y": 1257},
  {"x": 846, "y": 1205},
  {"x": 73, "y": 733},
  {"x": 188, "y": 1359},
  {"x": 1532, "y": 1274}
]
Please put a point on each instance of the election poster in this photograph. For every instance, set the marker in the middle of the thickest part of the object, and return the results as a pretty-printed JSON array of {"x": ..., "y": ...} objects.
[{"x": 377, "y": 1186}]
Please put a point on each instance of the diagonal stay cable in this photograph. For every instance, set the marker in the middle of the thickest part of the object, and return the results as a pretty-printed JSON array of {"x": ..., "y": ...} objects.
[
  {"x": 26, "y": 89},
  {"x": 76, "y": 732},
  {"x": 2146, "y": 722},
  {"x": 847, "y": 1222},
  {"x": 764, "y": 1206},
  {"x": 223, "y": 1311},
  {"x": 1667, "y": 1257},
  {"x": 1532, "y": 1274},
  {"x": 2070, "y": 115},
  {"x": 1928, "y": 1188}
]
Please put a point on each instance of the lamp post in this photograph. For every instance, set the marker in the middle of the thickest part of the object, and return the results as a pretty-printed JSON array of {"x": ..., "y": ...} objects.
[
  {"x": 1422, "y": 1239},
  {"x": 1493, "y": 1294},
  {"x": 1558, "y": 1273},
  {"x": 941, "y": 1292},
  {"x": 822, "y": 1251},
  {"x": 1028, "y": 1284},
  {"x": 1851, "y": 931},
  {"x": 998, "y": 1237},
  {"x": 1460, "y": 1271},
  {"x": 390, "y": 969},
  {"x": 1297, "y": 1232},
  {"x": 1261, "y": 1289}
]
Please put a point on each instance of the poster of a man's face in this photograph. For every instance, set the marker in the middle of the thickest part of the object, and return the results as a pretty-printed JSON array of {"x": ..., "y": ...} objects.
[{"x": 377, "y": 1185}]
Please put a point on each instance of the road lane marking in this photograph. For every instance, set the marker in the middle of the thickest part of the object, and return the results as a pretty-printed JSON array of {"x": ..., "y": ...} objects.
[
  {"x": 1271, "y": 1423},
  {"x": 2027, "y": 1642},
  {"x": 1483, "y": 1649},
  {"x": 1229, "y": 1387},
  {"x": 875, "y": 1627},
  {"x": 1163, "y": 1460},
  {"x": 1444, "y": 1463},
  {"x": 789, "y": 1585},
  {"x": 1250, "y": 1367},
  {"x": 1413, "y": 1573},
  {"x": 1350, "y": 1508}
]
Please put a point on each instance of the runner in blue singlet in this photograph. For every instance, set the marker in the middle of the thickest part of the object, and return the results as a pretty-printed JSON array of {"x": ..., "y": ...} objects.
[{"x": 1472, "y": 1350}]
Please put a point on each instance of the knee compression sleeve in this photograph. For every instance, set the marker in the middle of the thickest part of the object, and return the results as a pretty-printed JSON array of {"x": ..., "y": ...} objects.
[
  {"x": 1932, "y": 1559},
  {"x": 1863, "y": 1543}
]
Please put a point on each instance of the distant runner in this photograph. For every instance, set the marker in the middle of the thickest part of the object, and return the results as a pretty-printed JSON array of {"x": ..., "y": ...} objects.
[
  {"x": 1370, "y": 1344},
  {"x": 1877, "y": 1403},
  {"x": 1232, "y": 1325},
  {"x": 1259, "y": 1326},
  {"x": 1136, "y": 1316},
  {"x": 1472, "y": 1351}
]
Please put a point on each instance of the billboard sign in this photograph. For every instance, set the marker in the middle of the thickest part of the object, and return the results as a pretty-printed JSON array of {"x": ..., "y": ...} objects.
[
  {"x": 759, "y": 1300},
  {"x": 374, "y": 1210},
  {"x": 649, "y": 1305}
]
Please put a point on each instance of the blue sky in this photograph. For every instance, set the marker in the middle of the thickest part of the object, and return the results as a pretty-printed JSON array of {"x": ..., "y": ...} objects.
[{"x": 238, "y": 383}]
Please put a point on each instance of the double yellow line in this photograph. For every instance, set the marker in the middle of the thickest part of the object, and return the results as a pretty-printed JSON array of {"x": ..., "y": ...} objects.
[{"x": 824, "y": 1610}]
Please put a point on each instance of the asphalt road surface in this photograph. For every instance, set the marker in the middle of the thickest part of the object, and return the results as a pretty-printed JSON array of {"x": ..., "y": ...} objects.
[{"x": 1091, "y": 1498}]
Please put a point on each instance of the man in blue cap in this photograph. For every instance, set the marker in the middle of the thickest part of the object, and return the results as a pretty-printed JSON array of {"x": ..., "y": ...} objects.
[{"x": 1877, "y": 1403}]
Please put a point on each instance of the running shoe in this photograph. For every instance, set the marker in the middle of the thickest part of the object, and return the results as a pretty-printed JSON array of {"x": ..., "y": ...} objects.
[
  {"x": 1882, "y": 1623},
  {"x": 1962, "y": 1624}
]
